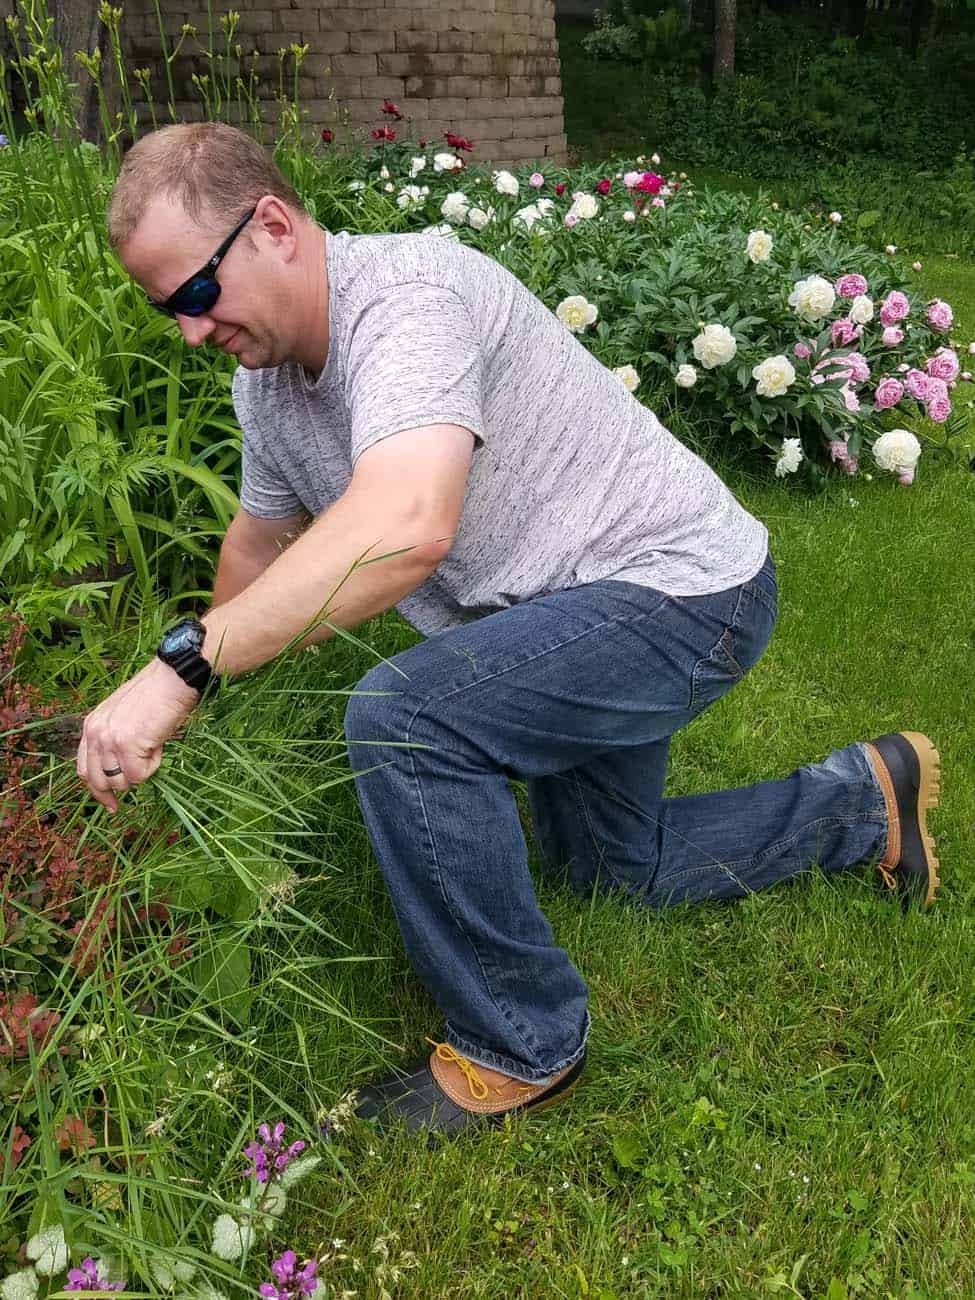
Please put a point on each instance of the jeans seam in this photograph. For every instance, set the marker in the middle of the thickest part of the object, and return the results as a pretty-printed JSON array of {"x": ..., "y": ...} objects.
[
  {"x": 499, "y": 1061},
  {"x": 777, "y": 847}
]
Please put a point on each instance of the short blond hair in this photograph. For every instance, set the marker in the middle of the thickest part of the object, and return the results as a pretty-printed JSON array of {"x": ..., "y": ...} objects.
[{"x": 214, "y": 171}]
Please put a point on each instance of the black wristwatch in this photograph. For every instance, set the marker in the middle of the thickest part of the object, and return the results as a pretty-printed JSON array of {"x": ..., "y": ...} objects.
[{"x": 180, "y": 648}]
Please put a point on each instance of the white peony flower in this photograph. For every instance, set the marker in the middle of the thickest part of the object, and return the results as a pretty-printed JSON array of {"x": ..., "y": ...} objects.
[
  {"x": 836, "y": 218},
  {"x": 536, "y": 211},
  {"x": 789, "y": 458},
  {"x": 230, "y": 1238},
  {"x": 446, "y": 162},
  {"x": 812, "y": 298},
  {"x": 759, "y": 245},
  {"x": 443, "y": 229},
  {"x": 389, "y": 187},
  {"x": 628, "y": 377},
  {"x": 575, "y": 313},
  {"x": 49, "y": 1251},
  {"x": 384, "y": 173},
  {"x": 714, "y": 346},
  {"x": 686, "y": 376},
  {"x": 505, "y": 183},
  {"x": 897, "y": 450},
  {"x": 416, "y": 166},
  {"x": 655, "y": 159},
  {"x": 19, "y": 1286},
  {"x": 774, "y": 376},
  {"x": 861, "y": 309},
  {"x": 584, "y": 205},
  {"x": 891, "y": 249},
  {"x": 299, "y": 1169},
  {"x": 629, "y": 215},
  {"x": 455, "y": 207},
  {"x": 478, "y": 218},
  {"x": 411, "y": 197}
]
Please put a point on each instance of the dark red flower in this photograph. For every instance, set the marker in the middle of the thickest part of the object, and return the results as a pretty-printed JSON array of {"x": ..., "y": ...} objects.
[
  {"x": 74, "y": 1135},
  {"x": 384, "y": 133},
  {"x": 604, "y": 186},
  {"x": 392, "y": 110},
  {"x": 423, "y": 144},
  {"x": 327, "y": 135},
  {"x": 458, "y": 141},
  {"x": 676, "y": 186},
  {"x": 560, "y": 188}
]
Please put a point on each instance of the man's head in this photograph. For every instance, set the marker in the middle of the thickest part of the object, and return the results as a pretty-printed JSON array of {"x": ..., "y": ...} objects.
[{"x": 181, "y": 193}]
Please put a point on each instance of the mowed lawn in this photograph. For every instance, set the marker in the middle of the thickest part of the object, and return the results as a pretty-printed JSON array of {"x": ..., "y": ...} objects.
[{"x": 779, "y": 1095}]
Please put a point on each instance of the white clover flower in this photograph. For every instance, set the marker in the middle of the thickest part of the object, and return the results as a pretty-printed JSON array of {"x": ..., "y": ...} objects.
[
  {"x": 628, "y": 377},
  {"x": 686, "y": 376},
  {"x": 861, "y": 309},
  {"x": 759, "y": 246},
  {"x": 443, "y": 229},
  {"x": 505, "y": 183},
  {"x": 812, "y": 298},
  {"x": 49, "y": 1251},
  {"x": 274, "y": 1200},
  {"x": 774, "y": 376},
  {"x": 299, "y": 1169},
  {"x": 789, "y": 458},
  {"x": 446, "y": 162},
  {"x": 478, "y": 218},
  {"x": 584, "y": 205},
  {"x": 836, "y": 218},
  {"x": 19, "y": 1286},
  {"x": 897, "y": 450},
  {"x": 230, "y": 1238},
  {"x": 575, "y": 313},
  {"x": 411, "y": 197},
  {"x": 167, "y": 1272},
  {"x": 629, "y": 215},
  {"x": 891, "y": 249},
  {"x": 417, "y": 165},
  {"x": 205, "y": 1291},
  {"x": 714, "y": 346},
  {"x": 455, "y": 207}
]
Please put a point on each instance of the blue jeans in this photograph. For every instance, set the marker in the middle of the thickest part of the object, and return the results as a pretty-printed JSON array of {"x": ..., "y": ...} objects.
[{"x": 577, "y": 693}]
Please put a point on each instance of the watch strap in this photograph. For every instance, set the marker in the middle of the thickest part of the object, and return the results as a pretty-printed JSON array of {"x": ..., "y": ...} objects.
[{"x": 194, "y": 670}]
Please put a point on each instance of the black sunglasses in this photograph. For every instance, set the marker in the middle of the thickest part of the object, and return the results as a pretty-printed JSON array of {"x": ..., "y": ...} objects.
[{"x": 198, "y": 294}]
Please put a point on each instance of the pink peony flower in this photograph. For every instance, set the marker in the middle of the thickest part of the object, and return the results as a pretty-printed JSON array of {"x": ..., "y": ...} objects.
[
  {"x": 944, "y": 364},
  {"x": 657, "y": 202},
  {"x": 889, "y": 393},
  {"x": 845, "y": 332},
  {"x": 850, "y": 398},
  {"x": 892, "y": 336},
  {"x": 650, "y": 183},
  {"x": 859, "y": 368},
  {"x": 894, "y": 308},
  {"x": 917, "y": 384},
  {"x": 802, "y": 351},
  {"x": 632, "y": 179},
  {"x": 536, "y": 180},
  {"x": 851, "y": 286},
  {"x": 940, "y": 315},
  {"x": 936, "y": 388},
  {"x": 571, "y": 218},
  {"x": 939, "y": 408},
  {"x": 907, "y": 477}
]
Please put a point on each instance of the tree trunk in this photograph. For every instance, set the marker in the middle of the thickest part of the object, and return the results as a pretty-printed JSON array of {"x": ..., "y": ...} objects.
[
  {"x": 725, "y": 24},
  {"x": 920, "y": 17},
  {"x": 76, "y": 27},
  {"x": 856, "y": 17}
]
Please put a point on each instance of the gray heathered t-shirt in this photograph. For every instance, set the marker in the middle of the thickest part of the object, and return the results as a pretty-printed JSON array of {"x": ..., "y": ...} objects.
[{"x": 572, "y": 479}]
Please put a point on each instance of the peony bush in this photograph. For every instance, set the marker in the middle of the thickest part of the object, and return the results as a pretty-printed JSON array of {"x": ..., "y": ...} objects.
[{"x": 762, "y": 326}]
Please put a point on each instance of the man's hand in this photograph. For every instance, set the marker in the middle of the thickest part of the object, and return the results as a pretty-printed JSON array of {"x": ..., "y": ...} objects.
[{"x": 130, "y": 727}]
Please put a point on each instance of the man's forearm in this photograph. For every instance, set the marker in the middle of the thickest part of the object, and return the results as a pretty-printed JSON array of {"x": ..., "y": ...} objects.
[
  {"x": 236, "y": 570},
  {"x": 279, "y": 603}
]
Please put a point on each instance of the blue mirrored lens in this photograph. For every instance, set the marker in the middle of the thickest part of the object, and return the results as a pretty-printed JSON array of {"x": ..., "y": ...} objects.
[{"x": 196, "y": 297}]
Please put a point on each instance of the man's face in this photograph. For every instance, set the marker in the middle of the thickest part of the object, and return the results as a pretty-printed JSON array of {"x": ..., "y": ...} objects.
[{"x": 246, "y": 320}]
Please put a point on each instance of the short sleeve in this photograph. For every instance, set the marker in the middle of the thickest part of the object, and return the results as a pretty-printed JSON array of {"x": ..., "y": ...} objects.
[
  {"x": 414, "y": 357},
  {"x": 264, "y": 491}
]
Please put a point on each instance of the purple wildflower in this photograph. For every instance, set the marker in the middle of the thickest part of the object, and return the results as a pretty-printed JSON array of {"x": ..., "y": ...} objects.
[
  {"x": 4, "y": 142},
  {"x": 268, "y": 1158},
  {"x": 87, "y": 1278},
  {"x": 292, "y": 1282}
]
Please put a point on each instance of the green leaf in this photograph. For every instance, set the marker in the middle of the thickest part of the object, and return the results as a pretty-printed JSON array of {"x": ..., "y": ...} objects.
[
  {"x": 867, "y": 219},
  {"x": 222, "y": 976}
]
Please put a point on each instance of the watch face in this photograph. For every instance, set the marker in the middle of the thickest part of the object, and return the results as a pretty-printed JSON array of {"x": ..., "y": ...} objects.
[{"x": 184, "y": 636}]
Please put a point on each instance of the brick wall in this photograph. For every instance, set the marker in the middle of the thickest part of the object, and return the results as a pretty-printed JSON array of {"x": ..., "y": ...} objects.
[{"x": 488, "y": 69}]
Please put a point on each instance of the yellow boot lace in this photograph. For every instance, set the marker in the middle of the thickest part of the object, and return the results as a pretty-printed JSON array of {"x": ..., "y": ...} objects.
[{"x": 476, "y": 1085}]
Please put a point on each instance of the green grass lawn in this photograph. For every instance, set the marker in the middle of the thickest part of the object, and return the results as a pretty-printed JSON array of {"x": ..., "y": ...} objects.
[{"x": 779, "y": 1095}]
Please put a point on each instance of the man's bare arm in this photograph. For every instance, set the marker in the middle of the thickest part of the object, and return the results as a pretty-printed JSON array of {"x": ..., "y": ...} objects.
[{"x": 249, "y": 546}]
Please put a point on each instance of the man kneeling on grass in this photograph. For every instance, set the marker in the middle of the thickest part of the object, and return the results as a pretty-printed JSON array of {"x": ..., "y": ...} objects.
[{"x": 586, "y": 586}]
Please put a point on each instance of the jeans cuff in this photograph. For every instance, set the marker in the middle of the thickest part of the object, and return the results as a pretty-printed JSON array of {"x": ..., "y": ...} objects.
[
  {"x": 878, "y": 811},
  {"x": 507, "y": 1064}
]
